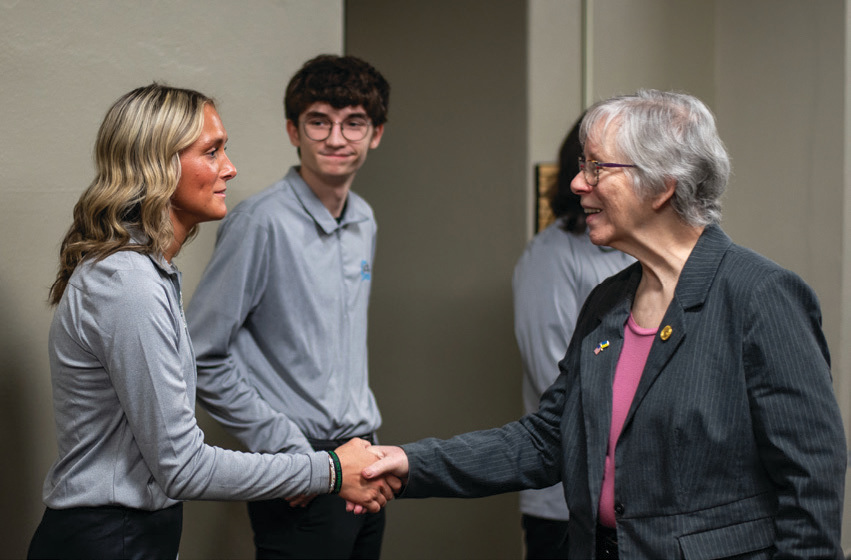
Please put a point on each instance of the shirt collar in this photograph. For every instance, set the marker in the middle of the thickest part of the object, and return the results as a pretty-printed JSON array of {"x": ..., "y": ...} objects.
[
  {"x": 139, "y": 237},
  {"x": 353, "y": 212}
]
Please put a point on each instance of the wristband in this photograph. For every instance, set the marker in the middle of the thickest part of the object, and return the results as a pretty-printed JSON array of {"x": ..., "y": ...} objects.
[
  {"x": 338, "y": 473},
  {"x": 332, "y": 475}
]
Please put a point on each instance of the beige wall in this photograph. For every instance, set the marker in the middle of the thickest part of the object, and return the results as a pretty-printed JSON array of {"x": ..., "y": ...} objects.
[
  {"x": 843, "y": 352},
  {"x": 555, "y": 84},
  {"x": 661, "y": 44},
  {"x": 63, "y": 64}
]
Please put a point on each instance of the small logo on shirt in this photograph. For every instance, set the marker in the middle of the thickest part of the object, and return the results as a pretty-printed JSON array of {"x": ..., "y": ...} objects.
[{"x": 364, "y": 271}]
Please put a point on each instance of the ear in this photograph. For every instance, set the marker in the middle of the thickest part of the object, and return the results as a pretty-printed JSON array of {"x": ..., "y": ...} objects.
[
  {"x": 377, "y": 133},
  {"x": 665, "y": 196},
  {"x": 292, "y": 132}
]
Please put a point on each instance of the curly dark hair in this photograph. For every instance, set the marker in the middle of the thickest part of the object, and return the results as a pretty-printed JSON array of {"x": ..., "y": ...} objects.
[{"x": 341, "y": 81}]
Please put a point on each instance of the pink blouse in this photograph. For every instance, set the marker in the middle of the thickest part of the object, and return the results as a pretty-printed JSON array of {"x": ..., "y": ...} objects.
[{"x": 636, "y": 348}]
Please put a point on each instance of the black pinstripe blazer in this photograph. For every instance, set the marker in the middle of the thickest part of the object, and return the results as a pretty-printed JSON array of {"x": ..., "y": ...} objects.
[{"x": 733, "y": 445}]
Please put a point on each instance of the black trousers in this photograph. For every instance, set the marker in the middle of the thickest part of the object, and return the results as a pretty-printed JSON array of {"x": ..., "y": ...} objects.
[
  {"x": 323, "y": 529},
  {"x": 546, "y": 539},
  {"x": 607, "y": 543},
  {"x": 108, "y": 532}
]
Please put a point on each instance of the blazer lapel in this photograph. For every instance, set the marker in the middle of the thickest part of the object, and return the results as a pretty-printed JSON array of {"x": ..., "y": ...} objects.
[
  {"x": 668, "y": 339},
  {"x": 599, "y": 353},
  {"x": 695, "y": 281}
]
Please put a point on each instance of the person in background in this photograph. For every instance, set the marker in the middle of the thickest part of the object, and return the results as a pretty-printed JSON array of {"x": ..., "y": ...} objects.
[
  {"x": 694, "y": 415},
  {"x": 279, "y": 318},
  {"x": 121, "y": 360},
  {"x": 558, "y": 269}
]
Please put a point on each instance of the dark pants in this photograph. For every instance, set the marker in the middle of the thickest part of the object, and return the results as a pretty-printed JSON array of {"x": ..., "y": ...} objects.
[
  {"x": 108, "y": 532},
  {"x": 323, "y": 529},
  {"x": 607, "y": 543},
  {"x": 546, "y": 539}
]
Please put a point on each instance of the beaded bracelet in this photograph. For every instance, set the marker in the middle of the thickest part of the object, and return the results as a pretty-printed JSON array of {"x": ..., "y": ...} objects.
[
  {"x": 337, "y": 477},
  {"x": 332, "y": 477}
]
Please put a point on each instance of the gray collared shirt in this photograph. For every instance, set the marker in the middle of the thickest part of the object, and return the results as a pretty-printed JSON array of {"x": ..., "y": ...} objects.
[
  {"x": 123, "y": 374},
  {"x": 279, "y": 320}
]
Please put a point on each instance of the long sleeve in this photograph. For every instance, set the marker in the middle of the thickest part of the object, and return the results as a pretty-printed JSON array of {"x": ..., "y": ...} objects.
[
  {"x": 797, "y": 422},
  {"x": 143, "y": 362},
  {"x": 124, "y": 389},
  {"x": 520, "y": 455}
]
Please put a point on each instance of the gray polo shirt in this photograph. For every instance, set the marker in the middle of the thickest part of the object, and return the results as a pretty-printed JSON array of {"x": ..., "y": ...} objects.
[
  {"x": 123, "y": 374},
  {"x": 279, "y": 320},
  {"x": 552, "y": 278}
]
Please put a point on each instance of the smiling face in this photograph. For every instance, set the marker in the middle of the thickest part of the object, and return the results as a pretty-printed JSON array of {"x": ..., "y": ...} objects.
[
  {"x": 335, "y": 160},
  {"x": 205, "y": 170},
  {"x": 614, "y": 212}
]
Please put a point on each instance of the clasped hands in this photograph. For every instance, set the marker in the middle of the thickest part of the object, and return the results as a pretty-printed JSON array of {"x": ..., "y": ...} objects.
[{"x": 372, "y": 474}]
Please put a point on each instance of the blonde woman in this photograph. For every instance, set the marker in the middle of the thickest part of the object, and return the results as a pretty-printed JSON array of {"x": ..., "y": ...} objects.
[{"x": 122, "y": 364}]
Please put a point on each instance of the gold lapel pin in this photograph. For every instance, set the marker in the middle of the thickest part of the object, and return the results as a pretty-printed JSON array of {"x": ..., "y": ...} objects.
[{"x": 666, "y": 332}]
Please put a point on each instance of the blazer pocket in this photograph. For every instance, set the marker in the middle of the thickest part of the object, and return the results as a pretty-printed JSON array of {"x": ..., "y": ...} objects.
[{"x": 741, "y": 538}]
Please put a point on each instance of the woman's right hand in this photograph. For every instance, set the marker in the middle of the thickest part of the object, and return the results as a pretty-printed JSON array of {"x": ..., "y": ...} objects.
[{"x": 370, "y": 495}]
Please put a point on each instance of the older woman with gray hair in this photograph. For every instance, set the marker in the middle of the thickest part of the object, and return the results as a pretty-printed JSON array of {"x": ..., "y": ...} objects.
[{"x": 694, "y": 416}]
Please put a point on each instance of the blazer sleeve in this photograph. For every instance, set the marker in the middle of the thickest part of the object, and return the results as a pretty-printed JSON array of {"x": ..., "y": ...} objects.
[
  {"x": 797, "y": 423},
  {"x": 522, "y": 454}
]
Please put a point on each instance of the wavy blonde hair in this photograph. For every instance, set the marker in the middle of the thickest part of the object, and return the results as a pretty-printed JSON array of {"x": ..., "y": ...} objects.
[{"x": 137, "y": 161}]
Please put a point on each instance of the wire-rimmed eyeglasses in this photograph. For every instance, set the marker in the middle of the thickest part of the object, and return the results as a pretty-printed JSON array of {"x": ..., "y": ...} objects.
[
  {"x": 353, "y": 129},
  {"x": 591, "y": 169}
]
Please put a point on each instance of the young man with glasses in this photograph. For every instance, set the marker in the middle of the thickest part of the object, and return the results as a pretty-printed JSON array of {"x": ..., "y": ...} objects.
[{"x": 279, "y": 319}]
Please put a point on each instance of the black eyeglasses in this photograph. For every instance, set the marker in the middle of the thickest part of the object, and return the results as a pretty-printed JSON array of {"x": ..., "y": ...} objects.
[
  {"x": 319, "y": 128},
  {"x": 591, "y": 169}
]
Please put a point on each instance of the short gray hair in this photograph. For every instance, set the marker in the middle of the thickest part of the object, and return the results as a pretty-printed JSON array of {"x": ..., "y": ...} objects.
[{"x": 668, "y": 135}]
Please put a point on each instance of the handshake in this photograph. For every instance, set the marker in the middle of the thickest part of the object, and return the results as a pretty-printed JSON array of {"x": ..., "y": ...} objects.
[{"x": 372, "y": 474}]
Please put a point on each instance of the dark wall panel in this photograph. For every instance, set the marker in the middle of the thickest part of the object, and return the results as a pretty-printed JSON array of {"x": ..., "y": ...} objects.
[{"x": 447, "y": 185}]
